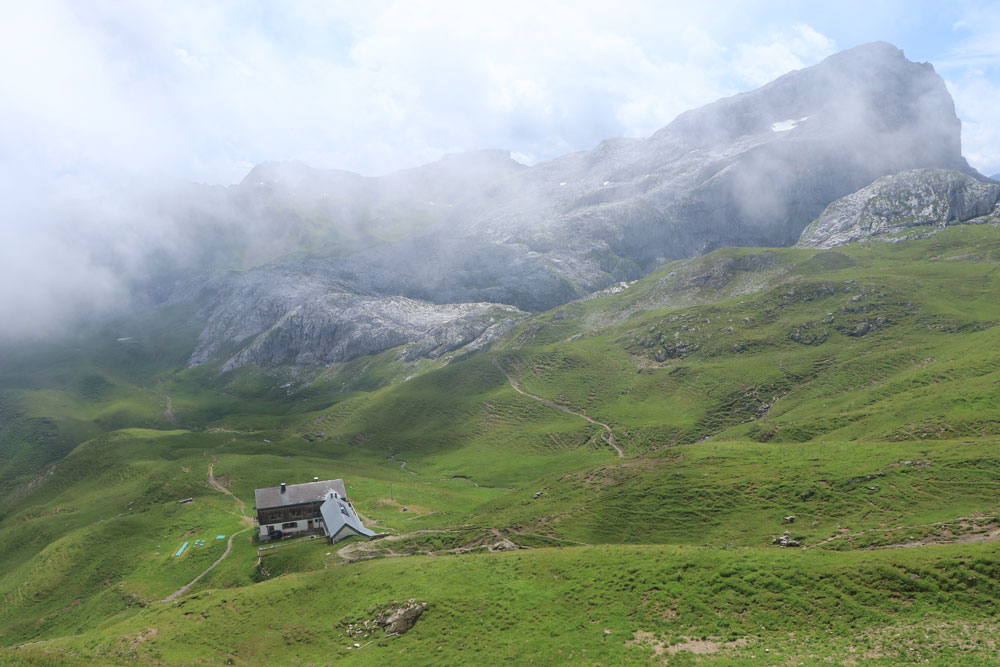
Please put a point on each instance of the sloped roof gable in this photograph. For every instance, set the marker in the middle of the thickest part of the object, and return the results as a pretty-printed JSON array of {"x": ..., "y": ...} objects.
[
  {"x": 298, "y": 494},
  {"x": 338, "y": 515}
]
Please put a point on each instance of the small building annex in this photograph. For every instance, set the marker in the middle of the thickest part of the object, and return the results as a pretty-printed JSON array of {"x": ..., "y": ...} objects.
[{"x": 299, "y": 509}]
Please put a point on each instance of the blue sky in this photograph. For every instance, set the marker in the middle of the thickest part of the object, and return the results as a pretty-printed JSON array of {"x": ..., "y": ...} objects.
[{"x": 98, "y": 93}]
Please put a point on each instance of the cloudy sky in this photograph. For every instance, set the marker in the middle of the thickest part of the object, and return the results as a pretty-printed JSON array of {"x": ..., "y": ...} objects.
[
  {"x": 100, "y": 98},
  {"x": 103, "y": 91}
]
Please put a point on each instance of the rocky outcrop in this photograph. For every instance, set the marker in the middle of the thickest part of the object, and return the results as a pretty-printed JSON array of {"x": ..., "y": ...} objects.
[
  {"x": 402, "y": 619},
  {"x": 297, "y": 320},
  {"x": 894, "y": 204},
  {"x": 394, "y": 618},
  {"x": 785, "y": 540}
]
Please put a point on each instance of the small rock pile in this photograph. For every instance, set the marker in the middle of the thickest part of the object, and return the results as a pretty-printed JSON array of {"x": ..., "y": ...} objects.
[
  {"x": 504, "y": 544},
  {"x": 785, "y": 540},
  {"x": 395, "y": 618}
]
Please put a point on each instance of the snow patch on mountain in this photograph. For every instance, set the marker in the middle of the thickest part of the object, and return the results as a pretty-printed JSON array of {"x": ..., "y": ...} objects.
[{"x": 786, "y": 125}]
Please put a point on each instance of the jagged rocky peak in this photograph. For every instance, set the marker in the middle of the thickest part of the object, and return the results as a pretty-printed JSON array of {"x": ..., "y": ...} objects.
[
  {"x": 752, "y": 169},
  {"x": 452, "y": 177},
  {"x": 894, "y": 204},
  {"x": 868, "y": 91},
  {"x": 773, "y": 158},
  {"x": 294, "y": 174},
  {"x": 288, "y": 207},
  {"x": 486, "y": 158}
]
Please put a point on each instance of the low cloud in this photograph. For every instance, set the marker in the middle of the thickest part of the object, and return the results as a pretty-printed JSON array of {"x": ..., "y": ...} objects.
[
  {"x": 102, "y": 98},
  {"x": 200, "y": 91},
  {"x": 760, "y": 63}
]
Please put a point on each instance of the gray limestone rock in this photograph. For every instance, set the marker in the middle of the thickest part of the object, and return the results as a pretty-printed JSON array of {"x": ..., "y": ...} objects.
[
  {"x": 785, "y": 540},
  {"x": 402, "y": 619},
  {"x": 752, "y": 169},
  {"x": 295, "y": 319},
  {"x": 893, "y": 204}
]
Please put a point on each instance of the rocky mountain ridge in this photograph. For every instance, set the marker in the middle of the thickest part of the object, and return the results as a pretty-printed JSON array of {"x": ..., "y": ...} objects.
[
  {"x": 293, "y": 320},
  {"x": 750, "y": 170}
]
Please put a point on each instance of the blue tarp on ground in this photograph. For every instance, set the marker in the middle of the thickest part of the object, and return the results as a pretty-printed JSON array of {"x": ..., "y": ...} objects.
[{"x": 181, "y": 550}]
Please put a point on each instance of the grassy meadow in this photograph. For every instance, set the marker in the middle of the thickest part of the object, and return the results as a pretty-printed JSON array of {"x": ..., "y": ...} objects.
[{"x": 850, "y": 397}]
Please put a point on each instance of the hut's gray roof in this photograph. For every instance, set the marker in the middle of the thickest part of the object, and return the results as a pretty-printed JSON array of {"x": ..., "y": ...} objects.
[
  {"x": 297, "y": 494},
  {"x": 339, "y": 516}
]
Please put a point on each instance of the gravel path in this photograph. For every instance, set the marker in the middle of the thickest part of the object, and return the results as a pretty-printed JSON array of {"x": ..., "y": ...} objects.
[{"x": 229, "y": 544}]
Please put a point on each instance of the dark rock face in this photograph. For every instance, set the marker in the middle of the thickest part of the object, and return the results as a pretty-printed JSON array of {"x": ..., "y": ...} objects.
[
  {"x": 892, "y": 205},
  {"x": 750, "y": 170}
]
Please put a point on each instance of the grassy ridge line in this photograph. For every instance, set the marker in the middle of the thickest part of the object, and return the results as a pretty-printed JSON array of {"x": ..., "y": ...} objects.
[
  {"x": 721, "y": 368},
  {"x": 588, "y": 605}
]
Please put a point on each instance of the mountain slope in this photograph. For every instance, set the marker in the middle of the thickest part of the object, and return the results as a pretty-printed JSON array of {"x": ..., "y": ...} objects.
[
  {"x": 753, "y": 169},
  {"x": 854, "y": 389},
  {"x": 623, "y": 477}
]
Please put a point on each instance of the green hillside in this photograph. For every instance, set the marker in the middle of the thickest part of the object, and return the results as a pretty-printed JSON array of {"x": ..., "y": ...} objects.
[{"x": 850, "y": 397}]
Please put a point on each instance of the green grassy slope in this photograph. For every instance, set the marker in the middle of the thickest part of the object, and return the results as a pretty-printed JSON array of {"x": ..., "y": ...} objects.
[
  {"x": 57, "y": 394},
  {"x": 857, "y": 390},
  {"x": 591, "y": 605}
]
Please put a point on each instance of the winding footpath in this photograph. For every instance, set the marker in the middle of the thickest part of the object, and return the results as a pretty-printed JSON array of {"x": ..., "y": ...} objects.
[
  {"x": 608, "y": 436},
  {"x": 347, "y": 552},
  {"x": 229, "y": 545},
  {"x": 402, "y": 465}
]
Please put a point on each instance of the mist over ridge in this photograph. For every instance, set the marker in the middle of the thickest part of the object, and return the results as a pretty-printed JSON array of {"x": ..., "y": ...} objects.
[
  {"x": 291, "y": 246},
  {"x": 753, "y": 169}
]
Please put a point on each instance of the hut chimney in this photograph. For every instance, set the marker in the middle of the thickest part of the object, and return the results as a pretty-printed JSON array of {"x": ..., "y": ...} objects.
[{"x": 282, "y": 487}]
